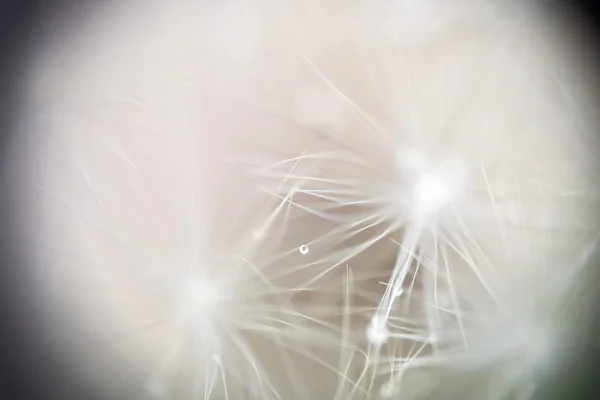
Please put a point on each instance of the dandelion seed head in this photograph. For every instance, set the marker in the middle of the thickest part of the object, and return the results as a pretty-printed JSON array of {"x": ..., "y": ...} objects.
[
  {"x": 433, "y": 186},
  {"x": 201, "y": 299},
  {"x": 435, "y": 191},
  {"x": 377, "y": 333}
]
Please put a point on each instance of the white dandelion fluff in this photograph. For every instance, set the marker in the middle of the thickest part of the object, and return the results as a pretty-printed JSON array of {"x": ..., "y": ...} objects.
[{"x": 312, "y": 199}]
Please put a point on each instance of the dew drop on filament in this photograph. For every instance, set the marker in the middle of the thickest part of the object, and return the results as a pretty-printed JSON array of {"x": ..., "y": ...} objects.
[{"x": 303, "y": 249}]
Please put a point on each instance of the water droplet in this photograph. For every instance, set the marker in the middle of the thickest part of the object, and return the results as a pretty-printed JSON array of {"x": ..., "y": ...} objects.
[{"x": 303, "y": 249}]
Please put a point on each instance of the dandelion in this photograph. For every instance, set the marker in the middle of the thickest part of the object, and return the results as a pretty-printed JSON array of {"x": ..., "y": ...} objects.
[{"x": 317, "y": 201}]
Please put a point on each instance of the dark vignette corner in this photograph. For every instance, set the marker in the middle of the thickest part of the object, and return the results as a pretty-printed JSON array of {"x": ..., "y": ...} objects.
[{"x": 28, "y": 368}]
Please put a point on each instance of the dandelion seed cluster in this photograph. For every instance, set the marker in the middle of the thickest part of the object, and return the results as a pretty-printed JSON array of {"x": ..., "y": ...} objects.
[{"x": 312, "y": 199}]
